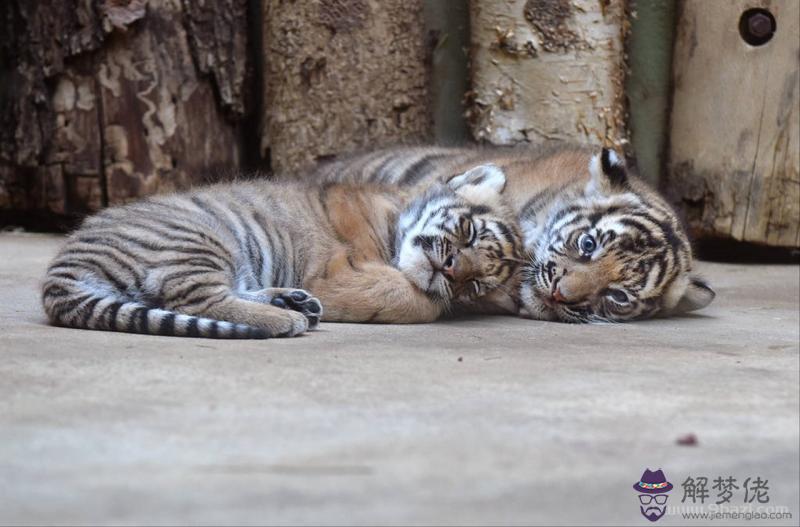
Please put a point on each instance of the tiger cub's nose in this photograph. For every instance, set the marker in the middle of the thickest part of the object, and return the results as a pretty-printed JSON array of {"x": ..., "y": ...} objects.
[{"x": 557, "y": 296}]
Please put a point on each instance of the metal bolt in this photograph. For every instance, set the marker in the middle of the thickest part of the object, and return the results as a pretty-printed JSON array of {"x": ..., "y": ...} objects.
[{"x": 759, "y": 25}]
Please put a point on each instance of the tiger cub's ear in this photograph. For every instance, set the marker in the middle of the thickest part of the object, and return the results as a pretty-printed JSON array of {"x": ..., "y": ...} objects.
[
  {"x": 480, "y": 178},
  {"x": 607, "y": 173},
  {"x": 698, "y": 295}
]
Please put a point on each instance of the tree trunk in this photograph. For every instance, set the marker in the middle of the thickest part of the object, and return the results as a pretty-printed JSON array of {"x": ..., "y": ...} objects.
[
  {"x": 109, "y": 100},
  {"x": 735, "y": 161},
  {"x": 548, "y": 69},
  {"x": 342, "y": 75}
]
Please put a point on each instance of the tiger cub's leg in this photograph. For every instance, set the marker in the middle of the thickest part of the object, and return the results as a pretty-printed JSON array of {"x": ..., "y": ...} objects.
[
  {"x": 294, "y": 299},
  {"x": 372, "y": 292},
  {"x": 207, "y": 294},
  {"x": 277, "y": 321}
]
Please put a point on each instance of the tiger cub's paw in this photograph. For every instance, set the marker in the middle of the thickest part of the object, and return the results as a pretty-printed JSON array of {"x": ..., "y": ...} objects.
[{"x": 301, "y": 301}]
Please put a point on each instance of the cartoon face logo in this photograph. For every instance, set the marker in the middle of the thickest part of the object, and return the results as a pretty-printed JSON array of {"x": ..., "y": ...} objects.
[{"x": 652, "y": 489}]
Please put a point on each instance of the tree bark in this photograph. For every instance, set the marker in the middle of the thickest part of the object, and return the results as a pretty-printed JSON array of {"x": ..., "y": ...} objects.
[
  {"x": 735, "y": 159},
  {"x": 341, "y": 75},
  {"x": 110, "y": 100},
  {"x": 548, "y": 69}
]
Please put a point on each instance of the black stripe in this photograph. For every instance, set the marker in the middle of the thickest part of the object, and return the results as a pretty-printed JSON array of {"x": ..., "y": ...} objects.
[
  {"x": 251, "y": 246},
  {"x": 65, "y": 276},
  {"x": 144, "y": 324},
  {"x": 206, "y": 300},
  {"x": 167, "y": 324},
  {"x": 108, "y": 242},
  {"x": 88, "y": 311},
  {"x": 530, "y": 205},
  {"x": 662, "y": 269},
  {"x": 218, "y": 216},
  {"x": 112, "y": 315},
  {"x": 81, "y": 253},
  {"x": 377, "y": 174},
  {"x": 198, "y": 261},
  {"x": 278, "y": 267},
  {"x": 264, "y": 226},
  {"x": 419, "y": 169},
  {"x": 181, "y": 274},
  {"x": 642, "y": 228},
  {"x": 204, "y": 239},
  {"x": 55, "y": 291},
  {"x": 69, "y": 305},
  {"x": 562, "y": 214},
  {"x": 183, "y": 294},
  {"x": 192, "y": 328},
  {"x": 136, "y": 313},
  {"x": 98, "y": 266},
  {"x": 597, "y": 216}
]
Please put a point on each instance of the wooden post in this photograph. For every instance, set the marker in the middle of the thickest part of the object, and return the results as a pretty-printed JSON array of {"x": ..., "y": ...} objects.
[
  {"x": 103, "y": 102},
  {"x": 735, "y": 157},
  {"x": 650, "y": 45},
  {"x": 341, "y": 75},
  {"x": 448, "y": 29},
  {"x": 548, "y": 69}
]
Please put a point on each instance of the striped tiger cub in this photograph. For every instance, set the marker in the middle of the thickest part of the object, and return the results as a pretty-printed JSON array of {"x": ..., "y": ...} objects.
[
  {"x": 602, "y": 246},
  {"x": 260, "y": 259}
]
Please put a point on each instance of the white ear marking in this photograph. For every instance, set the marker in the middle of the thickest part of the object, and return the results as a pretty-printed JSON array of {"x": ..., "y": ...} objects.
[
  {"x": 489, "y": 177},
  {"x": 697, "y": 295},
  {"x": 596, "y": 176},
  {"x": 614, "y": 159}
]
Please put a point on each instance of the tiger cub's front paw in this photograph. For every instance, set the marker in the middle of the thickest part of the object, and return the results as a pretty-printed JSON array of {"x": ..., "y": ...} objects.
[{"x": 301, "y": 301}]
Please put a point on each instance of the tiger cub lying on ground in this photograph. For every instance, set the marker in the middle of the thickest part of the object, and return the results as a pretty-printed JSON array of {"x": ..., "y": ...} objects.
[
  {"x": 229, "y": 261},
  {"x": 603, "y": 246}
]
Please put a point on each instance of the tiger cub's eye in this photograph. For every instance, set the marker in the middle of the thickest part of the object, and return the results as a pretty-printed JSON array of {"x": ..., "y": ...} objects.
[
  {"x": 475, "y": 288},
  {"x": 587, "y": 243},
  {"x": 618, "y": 296},
  {"x": 468, "y": 232}
]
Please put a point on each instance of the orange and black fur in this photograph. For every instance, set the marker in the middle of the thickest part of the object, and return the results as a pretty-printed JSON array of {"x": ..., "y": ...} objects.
[
  {"x": 601, "y": 245},
  {"x": 263, "y": 259}
]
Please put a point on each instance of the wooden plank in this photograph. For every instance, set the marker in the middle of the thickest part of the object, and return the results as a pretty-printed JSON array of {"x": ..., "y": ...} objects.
[
  {"x": 548, "y": 69},
  {"x": 341, "y": 75},
  {"x": 735, "y": 158}
]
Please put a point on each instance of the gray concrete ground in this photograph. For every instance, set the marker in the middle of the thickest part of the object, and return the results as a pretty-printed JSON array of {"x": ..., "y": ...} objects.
[{"x": 483, "y": 420}]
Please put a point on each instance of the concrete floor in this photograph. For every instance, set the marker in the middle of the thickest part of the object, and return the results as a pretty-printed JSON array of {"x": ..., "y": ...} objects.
[{"x": 484, "y": 420}]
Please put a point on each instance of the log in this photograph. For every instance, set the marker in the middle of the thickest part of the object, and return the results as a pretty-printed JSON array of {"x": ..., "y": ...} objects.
[
  {"x": 548, "y": 70},
  {"x": 111, "y": 100},
  {"x": 341, "y": 75},
  {"x": 734, "y": 156}
]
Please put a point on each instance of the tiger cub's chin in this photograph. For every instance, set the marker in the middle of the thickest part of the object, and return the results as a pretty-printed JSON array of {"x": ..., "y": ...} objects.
[{"x": 455, "y": 241}]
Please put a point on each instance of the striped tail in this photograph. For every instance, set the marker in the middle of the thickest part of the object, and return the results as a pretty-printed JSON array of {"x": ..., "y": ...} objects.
[{"x": 69, "y": 303}]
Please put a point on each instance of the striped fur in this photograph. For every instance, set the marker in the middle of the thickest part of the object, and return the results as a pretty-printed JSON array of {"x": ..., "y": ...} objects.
[
  {"x": 234, "y": 261},
  {"x": 602, "y": 246}
]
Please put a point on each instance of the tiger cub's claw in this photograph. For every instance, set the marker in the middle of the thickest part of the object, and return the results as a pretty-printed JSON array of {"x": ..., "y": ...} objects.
[{"x": 301, "y": 301}]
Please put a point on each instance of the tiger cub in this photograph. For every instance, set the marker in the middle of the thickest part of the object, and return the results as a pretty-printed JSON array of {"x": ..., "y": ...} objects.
[
  {"x": 602, "y": 246},
  {"x": 261, "y": 259}
]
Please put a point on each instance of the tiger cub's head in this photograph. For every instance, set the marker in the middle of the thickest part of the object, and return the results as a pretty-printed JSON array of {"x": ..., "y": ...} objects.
[
  {"x": 458, "y": 241},
  {"x": 610, "y": 251}
]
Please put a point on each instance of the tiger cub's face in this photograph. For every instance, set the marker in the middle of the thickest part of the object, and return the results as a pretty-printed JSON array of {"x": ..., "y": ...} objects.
[
  {"x": 610, "y": 253},
  {"x": 458, "y": 242}
]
